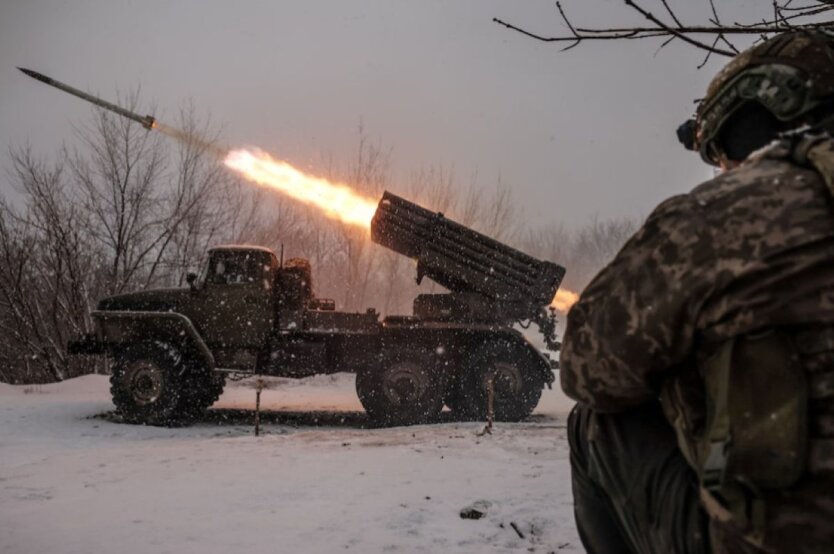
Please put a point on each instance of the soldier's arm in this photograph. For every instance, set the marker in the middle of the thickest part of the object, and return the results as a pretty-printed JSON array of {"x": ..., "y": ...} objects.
[{"x": 635, "y": 321}]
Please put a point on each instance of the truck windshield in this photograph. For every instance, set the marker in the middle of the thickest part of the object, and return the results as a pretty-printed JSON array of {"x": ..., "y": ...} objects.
[{"x": 235, "y": 268}]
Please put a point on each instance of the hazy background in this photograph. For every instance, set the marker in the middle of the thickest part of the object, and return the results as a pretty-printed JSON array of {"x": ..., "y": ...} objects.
[
  {"x": 557, "y": 153},
  {"x": 576, "y": 134}
]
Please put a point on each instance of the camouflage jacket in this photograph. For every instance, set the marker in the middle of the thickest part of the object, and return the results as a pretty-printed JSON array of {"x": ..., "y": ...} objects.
[{"x": 749, "y": 250}]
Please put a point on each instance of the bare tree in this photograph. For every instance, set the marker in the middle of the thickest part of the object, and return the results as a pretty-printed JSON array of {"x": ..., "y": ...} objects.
[
  {"x": 46, "y": 286},
  {"x": 712, "y": 34},
  {"x": 502, "y": 217},
  {"x": 123, "y": 212},
  {"x": 551, "y": 242},
  {"x": 596, "y": 243},
  {"x": 201, "y": 199},
  {"x": 369, "y": 174},
  {"x": 584, "y": 250}
]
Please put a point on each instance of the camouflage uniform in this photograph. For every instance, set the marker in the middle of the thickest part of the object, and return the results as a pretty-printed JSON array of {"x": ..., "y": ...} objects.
[
  {"x": 752, "y": 249},
  {"x": 736, "y": 275}
]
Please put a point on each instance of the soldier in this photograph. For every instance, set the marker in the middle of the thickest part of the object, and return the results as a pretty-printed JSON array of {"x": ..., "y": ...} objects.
[{"x": 702, "y": 356}]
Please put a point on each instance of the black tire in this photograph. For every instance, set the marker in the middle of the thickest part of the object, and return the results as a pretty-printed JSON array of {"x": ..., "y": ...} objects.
[
  {"x": 404, "y": 389},
  {"x": 517, "y": 386},
  {"x": 201, "y": 389},
  {"x": 146, "y": 384}
]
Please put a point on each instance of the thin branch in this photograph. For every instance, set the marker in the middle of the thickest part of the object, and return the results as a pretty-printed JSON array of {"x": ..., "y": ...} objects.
[
  {"x": 707, "y": 57},
  {"x": 734, "y": 29},
  {"x": 679, "y": 34},
  {"x": 786, "y": 16},
  {"x": 672, "y": 14},
  {"x": 664, "y": 44},
  {"x": 568, "y": 23},
  {"x": 715, "y": 19}
]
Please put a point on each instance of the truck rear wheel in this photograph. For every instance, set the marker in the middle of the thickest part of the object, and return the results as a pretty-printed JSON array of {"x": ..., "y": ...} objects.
[
  {"x": 146, "y": 385},
  {"x": 405, "y": 389},
  {"x": 516, "y": 385}
]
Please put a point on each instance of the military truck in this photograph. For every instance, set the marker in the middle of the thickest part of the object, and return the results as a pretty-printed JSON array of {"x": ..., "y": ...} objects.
[{"x": 249, "y": 313}]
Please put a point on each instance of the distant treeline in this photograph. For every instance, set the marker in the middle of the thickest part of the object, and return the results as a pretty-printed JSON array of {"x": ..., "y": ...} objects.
[{"x": 128, "y": 209}]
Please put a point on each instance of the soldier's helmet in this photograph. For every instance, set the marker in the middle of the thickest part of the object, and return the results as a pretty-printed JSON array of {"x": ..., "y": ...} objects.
[{"x": 790, "y": 76}]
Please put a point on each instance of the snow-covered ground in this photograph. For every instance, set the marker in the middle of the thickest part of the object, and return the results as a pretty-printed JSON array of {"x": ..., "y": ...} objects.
[{"x": 316, "y": 480}]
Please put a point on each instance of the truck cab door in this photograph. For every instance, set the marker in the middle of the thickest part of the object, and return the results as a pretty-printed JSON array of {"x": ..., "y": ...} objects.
[{"x": 233, "y": 307}]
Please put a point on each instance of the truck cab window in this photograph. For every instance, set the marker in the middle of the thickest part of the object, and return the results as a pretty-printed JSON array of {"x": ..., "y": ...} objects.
[{"x": 233, "y": 268}]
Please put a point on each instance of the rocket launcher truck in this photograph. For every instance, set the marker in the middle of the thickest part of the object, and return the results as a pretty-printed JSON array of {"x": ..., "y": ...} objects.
[{"x": 249, "y": 313}]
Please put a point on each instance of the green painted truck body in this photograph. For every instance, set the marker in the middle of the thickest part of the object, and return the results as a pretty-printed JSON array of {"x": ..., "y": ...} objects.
[{"x": 249, "y": 313}]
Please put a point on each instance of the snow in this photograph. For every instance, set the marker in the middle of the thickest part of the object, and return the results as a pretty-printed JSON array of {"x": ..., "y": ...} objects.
[{"x": 317, "y": 480}]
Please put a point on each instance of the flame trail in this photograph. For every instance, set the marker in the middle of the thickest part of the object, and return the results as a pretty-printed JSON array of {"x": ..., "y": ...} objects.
[
  {"x": 564, "y": 299},
  {"x": 336, "y": 200}
]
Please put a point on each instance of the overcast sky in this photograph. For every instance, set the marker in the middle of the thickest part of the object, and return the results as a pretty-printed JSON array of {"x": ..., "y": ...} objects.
[{"x": 576, "y": 134}]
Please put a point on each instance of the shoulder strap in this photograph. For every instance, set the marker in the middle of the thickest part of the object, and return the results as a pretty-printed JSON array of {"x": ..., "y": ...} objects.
[
  {"x": 725, "y": 497},
  {"x": 717, "y": 432},
  {"x": 817, "y": 151}
]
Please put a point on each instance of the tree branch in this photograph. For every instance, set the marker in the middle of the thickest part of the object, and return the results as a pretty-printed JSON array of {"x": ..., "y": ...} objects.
[{"x": 785, "y": 17}]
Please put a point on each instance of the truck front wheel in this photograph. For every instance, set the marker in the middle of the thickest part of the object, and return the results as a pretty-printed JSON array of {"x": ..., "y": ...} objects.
[
  {"x": 405, "y": 389},
  {"x": 145, "y": 384},
  {"x": 201, "y": 388}
]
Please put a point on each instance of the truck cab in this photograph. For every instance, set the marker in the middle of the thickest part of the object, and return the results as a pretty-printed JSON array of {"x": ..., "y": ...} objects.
[
  {"x": 257, "y": 314},
  {"x": 232, "y": 304}
]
